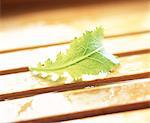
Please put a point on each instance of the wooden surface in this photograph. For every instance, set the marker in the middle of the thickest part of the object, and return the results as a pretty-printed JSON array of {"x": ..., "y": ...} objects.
[
  {"x": 114, "y": 45},
  {"x": 73, "y": 101},
  {"x": 32, "y": 36},
  {"x": 129, "y": 65},
  {"x": 37, "y": 28},
  {"x": 125, "y": 117}
]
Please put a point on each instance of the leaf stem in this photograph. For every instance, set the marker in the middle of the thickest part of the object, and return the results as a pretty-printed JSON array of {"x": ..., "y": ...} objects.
[{"x": 68, "y": 64}]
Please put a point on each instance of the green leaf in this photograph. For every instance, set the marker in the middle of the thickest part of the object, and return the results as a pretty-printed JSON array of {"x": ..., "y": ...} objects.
[{"x": 86, "y": 55}]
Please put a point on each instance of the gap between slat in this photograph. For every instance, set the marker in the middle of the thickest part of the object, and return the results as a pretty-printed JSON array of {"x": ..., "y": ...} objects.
[
  {"x": 25, "y": 68},
  {"x": 73, "y": 86},
  {"x": 67, "y": 42},
  {"x": 93, "y": 112},
  {"x": 140, "y": 116}
]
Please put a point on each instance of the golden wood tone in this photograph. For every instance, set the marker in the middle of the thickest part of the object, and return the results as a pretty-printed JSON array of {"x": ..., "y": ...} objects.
[
  {"x": 122, "y": 46},
  {"x": 98, "y": 111},
  {"x": 42, "y": 27},
  {"x": 77, "y": 101},
  {"x": 28, "y": 38},
  {"x": 139, "y": 116},
  {"x": 127, "y": 70}
]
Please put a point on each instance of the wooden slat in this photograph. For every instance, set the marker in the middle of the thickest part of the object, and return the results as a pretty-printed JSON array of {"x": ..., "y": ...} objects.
[
  {"x": 132, "y": 67},
  {"x": 57, "y": 42},
  {"x": 120, "y": 46},
  {"x": 79, "y": 103},
  {"x": 31, "y": 34},
  {"x": 30, "y": 29},
  {"x": 109, "y": 15},
  {"x": 101, "y": 111},
  {"x": 27, "y": 92},
  {"x": 83, "y": 114},
  {"x": 139, "y": 116}
]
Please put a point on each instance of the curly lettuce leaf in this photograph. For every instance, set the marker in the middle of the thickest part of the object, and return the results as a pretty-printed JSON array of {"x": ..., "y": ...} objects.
[{"x": 86, "y": 55}]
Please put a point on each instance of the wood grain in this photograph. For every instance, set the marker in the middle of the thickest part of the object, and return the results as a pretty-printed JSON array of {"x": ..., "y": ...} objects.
[
  {"x": 121, "y": 46},
  {"x": 24, "y": 38},
  {"x": 132, "y": 67},
  {"x": 66, "y": 87},
  {"x": 39, "y": 44},
  {"x": 101, "y": 111},
  {"x": 138, "y": 116},
  {"x": 90, "y": 101},
  {"x": 25, "y": 69}
]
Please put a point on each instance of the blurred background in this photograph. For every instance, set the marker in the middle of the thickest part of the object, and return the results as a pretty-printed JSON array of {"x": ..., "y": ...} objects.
[
  {"x": 28, "y": 23},
  {"x": 28, "y": 29},
  {"x": 11, "y": 7}
]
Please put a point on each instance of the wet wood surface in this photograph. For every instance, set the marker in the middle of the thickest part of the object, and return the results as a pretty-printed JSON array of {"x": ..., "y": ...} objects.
[
  {"x": 125, "y": 117},
  {"x": 121, "y": 46},
  {"x": 76, "y": 101},
  {"x": 128, "y": 70},
  {"x": 30, "y": 37}
]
